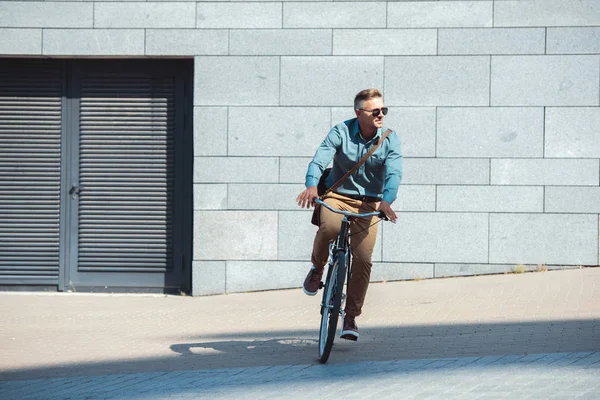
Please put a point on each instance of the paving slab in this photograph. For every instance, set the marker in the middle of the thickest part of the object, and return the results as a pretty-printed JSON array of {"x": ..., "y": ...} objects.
[
  {"x": 529, "y": 335},
  {"x": 484, "y": 377}
]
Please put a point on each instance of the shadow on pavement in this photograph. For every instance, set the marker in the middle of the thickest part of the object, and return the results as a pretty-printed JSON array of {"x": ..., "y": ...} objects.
[{"x": 375, "y": 344}]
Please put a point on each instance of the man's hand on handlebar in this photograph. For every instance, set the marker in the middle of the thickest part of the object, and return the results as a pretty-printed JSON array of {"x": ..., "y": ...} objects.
[
  {"x": 306, "y": 198},
  {"x": 386, "y": 208}
]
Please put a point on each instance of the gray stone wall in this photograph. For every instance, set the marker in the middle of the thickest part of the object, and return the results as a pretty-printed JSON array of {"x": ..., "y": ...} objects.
[{"x": 497, "y": 104}]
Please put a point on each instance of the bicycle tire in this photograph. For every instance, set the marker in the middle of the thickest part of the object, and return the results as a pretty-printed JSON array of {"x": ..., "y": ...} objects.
[{"x": 333, "y": 297}]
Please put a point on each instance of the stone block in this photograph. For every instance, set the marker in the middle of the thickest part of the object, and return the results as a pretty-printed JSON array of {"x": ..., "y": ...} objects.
[
  {"x": 437, "y": 237},
  {"x": 144, "y": 15},
  {"x": 20, "y": 41},
  {"x": 545, "y": 80},
  {"x": 246, "y": 276},
  {"x": 492, "y": 41},
  {"x": 415, "y": 125},
  {"x": 210, "y": 196},
  {"x": 295, "y": 42},
  {"x": 277, "y": 131},
  {"x": 437, "y": 81},
  {"x": 332, "y": 15},
  {"x": 186, "y": 42},
  {"x": 387, "y": 271},
  {"x": 208, "y": 277},
  {"x": 430, "y": 14},
  {"x": 235, "y": 235},
  {"x": 490, "y": 198},
  {"x": 553, "y": 172},
  {"x": 210, "y": 131},
  {"x": 264, "y": 196},
  {"x": 584, "y": 40},
  {"x": 573, "y": 132},
  {"x": 384, "y": 42},
  {"x": 93, "y": 42},
  {"x": 296, "y": 236},
  {"x": 547, "y": 13},
  {"x": 544, "y": 239},
  {"x": 239, "y": 15},
  {"x": 490, "y": 132},
  {"x": 447, "y": 270},
  {"x": 236, "y": 170},
  {"x": 440, "y": 171},
  {"x": 415, "y": 198},
  {"x": 40, "y": 14},
  {"x": 241, "y": 80},
  {"x": 565, "y": 199},
  {"x": 337, "y": 83},
  {"x": 293, "y": 169},
  {"x": 339, "y": 114}
]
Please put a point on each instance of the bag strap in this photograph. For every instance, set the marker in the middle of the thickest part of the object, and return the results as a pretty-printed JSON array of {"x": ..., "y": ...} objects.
[{"x": 358, "y": 164}]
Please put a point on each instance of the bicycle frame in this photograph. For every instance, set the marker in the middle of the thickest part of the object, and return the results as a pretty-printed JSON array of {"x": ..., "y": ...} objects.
[
  {"x": 339, "y": 270},
  {"x": 342, "y": 242}
]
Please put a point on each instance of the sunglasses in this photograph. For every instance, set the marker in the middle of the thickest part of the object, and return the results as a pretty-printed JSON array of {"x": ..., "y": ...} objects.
[{"x": 376, "y": 111}]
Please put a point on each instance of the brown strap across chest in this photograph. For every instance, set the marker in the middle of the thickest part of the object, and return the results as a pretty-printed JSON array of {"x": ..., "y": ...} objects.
[{"x": 358, "y": 164}]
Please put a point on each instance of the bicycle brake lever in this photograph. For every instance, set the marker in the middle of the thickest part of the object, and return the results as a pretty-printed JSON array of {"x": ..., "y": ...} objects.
[{"x": 383, "y": 216}]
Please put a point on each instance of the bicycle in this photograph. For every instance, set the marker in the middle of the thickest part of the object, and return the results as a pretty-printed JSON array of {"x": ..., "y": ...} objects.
[{"x": 339, "y": 269}]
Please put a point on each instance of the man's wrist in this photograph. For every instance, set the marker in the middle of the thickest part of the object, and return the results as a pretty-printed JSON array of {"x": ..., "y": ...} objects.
[{"x": 311, "y": 182}]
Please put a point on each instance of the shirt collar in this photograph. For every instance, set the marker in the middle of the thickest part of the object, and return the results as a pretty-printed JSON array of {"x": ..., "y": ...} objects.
[{"x": 354, "y": 131}]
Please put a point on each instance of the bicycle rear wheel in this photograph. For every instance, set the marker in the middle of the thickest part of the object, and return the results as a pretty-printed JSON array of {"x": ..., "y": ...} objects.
[{"x": 330, "y": 309}]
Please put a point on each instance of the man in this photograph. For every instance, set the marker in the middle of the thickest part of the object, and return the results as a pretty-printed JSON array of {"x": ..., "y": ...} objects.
[{"x": 373, "y": 186}]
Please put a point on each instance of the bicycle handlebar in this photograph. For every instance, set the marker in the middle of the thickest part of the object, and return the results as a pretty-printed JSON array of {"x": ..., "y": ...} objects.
[{"x": 379, "y": 214}]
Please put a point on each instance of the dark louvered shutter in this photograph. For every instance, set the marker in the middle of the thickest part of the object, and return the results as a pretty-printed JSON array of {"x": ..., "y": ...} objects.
[
  {"x": 30, "y": 167},
  {"x": 126, "y": 152}
]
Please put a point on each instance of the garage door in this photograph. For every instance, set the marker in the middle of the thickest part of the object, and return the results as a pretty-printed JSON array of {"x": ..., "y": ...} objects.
[
  {"x": 30, "y": 177},
  {"x": 121, "y": 198}
]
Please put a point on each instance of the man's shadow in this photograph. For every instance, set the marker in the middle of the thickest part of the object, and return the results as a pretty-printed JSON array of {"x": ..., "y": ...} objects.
[
  {"x": 239, "y": 347},
  {"x": 247, "y": 353},
  {"x": 381, "y": 343}
]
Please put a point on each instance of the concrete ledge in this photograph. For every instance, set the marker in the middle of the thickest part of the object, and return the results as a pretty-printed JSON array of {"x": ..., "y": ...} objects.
[
  {"x": 385, "y": 271},
  {"x": 219, "y": 277},
  {"x": 208, "y": 277},
  {"x": 453, "y": 270},
  {"x": 244, "y": 276}
]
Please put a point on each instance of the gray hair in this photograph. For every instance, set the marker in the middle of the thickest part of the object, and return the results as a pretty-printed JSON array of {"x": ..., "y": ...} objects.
[{"x": 365, "y": 95}]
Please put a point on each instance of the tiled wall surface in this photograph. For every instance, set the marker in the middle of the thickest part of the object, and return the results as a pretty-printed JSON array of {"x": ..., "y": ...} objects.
[{"x": 497, "y": 104}]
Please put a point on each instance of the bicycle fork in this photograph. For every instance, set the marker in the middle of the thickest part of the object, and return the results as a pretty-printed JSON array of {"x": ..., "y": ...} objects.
[
  {"x": 333, "y": 249},
  {"x": 348, "y": 257}
]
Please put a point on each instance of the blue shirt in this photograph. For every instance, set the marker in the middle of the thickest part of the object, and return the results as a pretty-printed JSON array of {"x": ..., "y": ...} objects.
[{"x": 379, "y": 176}]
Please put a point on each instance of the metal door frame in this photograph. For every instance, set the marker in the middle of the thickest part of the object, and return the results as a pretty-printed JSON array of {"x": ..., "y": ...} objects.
[{"x": 182, "y": 185}]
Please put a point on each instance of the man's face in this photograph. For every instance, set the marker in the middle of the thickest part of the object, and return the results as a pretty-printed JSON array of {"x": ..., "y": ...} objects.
[{"x": 365, "y": 116}]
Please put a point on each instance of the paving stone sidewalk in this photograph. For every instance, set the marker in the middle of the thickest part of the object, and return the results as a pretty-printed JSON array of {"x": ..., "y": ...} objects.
[
  {"x": 535, "y": 376},
  {"x": 531, "y": 335}
]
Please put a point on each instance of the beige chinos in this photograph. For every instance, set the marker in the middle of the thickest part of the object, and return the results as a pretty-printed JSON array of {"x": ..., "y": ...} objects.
[{"x": 362, "y": 242}]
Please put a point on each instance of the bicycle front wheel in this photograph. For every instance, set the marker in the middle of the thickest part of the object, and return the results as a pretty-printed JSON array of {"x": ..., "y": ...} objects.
[{"x": 330, "y": 309}]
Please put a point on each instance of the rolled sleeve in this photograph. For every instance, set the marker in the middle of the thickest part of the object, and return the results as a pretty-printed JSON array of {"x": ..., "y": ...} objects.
[
  {"x": 393, "y": 170},
  {"x": 323, "y": 157}
]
